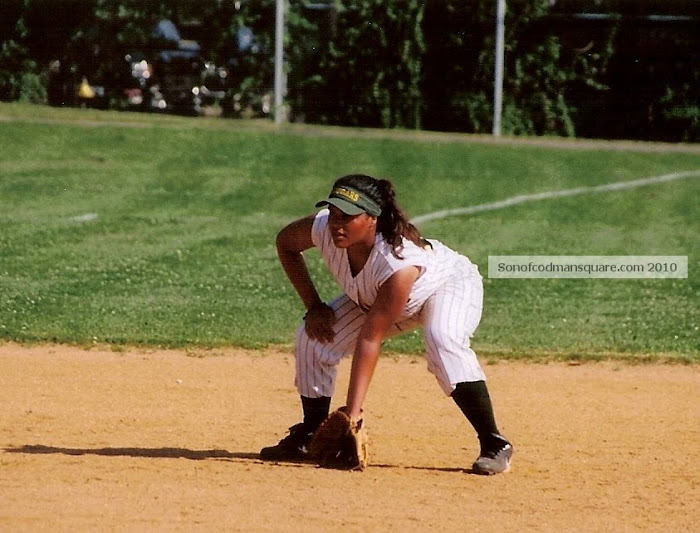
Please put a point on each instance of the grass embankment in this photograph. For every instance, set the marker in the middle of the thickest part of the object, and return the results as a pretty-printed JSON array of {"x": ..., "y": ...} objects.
[{"x": 159, "y": 230}]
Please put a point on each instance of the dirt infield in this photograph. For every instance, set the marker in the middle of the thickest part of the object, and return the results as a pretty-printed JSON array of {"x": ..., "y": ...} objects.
[{"x": 143, "y": 440}]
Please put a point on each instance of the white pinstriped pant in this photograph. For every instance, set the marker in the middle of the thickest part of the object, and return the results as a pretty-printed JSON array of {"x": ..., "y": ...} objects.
[{"x": 449, "y": 318}]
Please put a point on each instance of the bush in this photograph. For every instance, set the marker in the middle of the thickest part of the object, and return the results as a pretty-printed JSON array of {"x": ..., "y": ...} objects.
[
  {"x": 368, "y": 73},
  {"x": 32, "y": 88}
]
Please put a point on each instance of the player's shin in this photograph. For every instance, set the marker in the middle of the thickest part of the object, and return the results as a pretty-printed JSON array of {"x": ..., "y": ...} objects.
[
  {"x": 472, "y": 397},
  {"x": 315, "y": 411},
  {"x": 496, "y": 451}
]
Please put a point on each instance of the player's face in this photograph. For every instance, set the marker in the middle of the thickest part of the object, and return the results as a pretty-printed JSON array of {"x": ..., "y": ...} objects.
[{"x": 348, "y": 230}]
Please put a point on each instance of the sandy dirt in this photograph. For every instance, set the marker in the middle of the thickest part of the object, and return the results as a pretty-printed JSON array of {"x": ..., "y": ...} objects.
[{"x": 146, "y": 440}]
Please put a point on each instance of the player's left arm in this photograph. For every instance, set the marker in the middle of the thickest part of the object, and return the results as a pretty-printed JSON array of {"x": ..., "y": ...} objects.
[{"x": 390, "y": 302}]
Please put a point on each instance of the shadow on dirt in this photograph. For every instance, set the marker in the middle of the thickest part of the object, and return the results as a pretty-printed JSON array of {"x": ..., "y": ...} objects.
[
  {"x": 430, "y": 468},
  {"x": 163, "y": 453},
  {"x": 195, "y": 455}
]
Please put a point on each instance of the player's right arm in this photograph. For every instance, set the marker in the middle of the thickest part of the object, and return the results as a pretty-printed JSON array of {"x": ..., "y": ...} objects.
[{"x": 292, "y": 241}]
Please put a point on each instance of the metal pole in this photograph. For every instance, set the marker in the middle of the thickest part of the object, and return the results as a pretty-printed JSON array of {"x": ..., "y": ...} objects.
[
  {"x": 280, "y": 75},
  {"x": 498, "y": 81}
]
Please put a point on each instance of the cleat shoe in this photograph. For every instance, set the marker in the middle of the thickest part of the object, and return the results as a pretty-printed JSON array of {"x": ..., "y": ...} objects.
[
  {"x": 293, "y": 447},
  {"x": 495, "y": 456}
]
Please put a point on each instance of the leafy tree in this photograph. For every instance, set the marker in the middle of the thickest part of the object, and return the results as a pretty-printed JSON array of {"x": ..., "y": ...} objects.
[
  {"x": 654, "y": 90},
  {"x": 398, "y": 63},
  {"x": 245, "y": 47},
  {"x": 19, "y": 72},
  {"x": 540, "y": 71},
  {"x": 369, "y": 71}
]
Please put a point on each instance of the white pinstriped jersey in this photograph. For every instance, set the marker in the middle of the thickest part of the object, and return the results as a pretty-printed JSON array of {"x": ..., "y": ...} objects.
[{"x": 436, "y": 263}]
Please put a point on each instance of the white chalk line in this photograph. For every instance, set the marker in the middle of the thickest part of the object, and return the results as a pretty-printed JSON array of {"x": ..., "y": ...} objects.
[{"x": 546, "y": 195}]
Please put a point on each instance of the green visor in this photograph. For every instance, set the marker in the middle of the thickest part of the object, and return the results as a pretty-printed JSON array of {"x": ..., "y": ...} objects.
[{"x": 351, "y": 202}]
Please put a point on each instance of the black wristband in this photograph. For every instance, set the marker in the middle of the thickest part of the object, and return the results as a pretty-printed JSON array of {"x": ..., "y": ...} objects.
[{"x": 322, "y": 304}]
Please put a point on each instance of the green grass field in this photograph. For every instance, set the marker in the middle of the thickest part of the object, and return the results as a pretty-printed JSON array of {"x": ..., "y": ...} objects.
[{"x": 155, "y": 230}]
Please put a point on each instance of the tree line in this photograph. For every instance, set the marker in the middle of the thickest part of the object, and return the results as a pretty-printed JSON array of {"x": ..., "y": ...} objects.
[{"x": 603, "y": 69}]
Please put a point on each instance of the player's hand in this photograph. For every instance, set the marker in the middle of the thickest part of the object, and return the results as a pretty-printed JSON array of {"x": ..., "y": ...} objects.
[{"x": 319, "y": 322}]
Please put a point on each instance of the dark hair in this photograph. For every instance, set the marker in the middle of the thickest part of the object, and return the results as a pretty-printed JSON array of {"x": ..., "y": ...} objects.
[{"x": 392, "y": 223}]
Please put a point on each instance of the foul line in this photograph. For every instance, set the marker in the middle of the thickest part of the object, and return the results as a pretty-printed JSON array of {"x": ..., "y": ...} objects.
[{"x": 524, "y": 198}]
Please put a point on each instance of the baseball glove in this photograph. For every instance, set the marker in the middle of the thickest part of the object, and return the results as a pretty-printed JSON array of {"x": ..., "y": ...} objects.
[{"x": 341, "y": 442}]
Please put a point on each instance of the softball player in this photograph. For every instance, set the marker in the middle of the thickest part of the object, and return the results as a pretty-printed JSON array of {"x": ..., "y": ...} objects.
[{"x": 393, "y": 281}]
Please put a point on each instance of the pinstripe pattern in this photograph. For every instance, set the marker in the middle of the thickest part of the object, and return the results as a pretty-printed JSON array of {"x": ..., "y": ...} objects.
[
  {"x": 316, "y": 362},
  {"x": 450, "y": 318},
  {"x": 446, "y": 299}
]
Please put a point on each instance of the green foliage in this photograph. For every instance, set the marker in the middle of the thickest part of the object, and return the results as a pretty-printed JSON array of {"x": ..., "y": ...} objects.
[
  {"x": 370, "y": 70},
  {"x": 678, "y": 106},
  {"x": 130, "y": 21},
  {"x": 656, "y": 98},
  {"x": 253, "y": 71},
  {"x": 16, "y": 66},
  {"x": 32, "y": 89},
  {"x": 539, "y": 72},
  {"x": 397, "y": 64}
]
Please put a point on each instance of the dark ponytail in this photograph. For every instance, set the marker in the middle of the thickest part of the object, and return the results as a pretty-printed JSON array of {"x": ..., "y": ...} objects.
[{"x": 392, "y": 223}]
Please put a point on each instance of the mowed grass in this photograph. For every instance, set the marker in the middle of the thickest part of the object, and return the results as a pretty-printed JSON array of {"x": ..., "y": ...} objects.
[{"x": 137, "y": 229}]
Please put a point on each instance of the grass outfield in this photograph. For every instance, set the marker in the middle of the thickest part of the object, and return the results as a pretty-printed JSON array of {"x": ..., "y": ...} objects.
[{"x": 139, "y": 229}]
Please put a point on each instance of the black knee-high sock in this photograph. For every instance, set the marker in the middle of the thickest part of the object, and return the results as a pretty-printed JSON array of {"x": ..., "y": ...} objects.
[
  {"x": 315, "y": 411},
  {"x": 474, "y": 401}
]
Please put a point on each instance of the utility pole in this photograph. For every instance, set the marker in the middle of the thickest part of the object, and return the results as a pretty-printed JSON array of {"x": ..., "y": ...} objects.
[
  {"x": 498, "y": 78},
  {"x": 280, "y": 74}
]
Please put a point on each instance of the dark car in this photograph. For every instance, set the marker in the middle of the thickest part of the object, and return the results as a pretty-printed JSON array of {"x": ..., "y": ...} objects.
[
  {"x": 171, "y": 75},
  {"x": 168, "y": 74}
]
